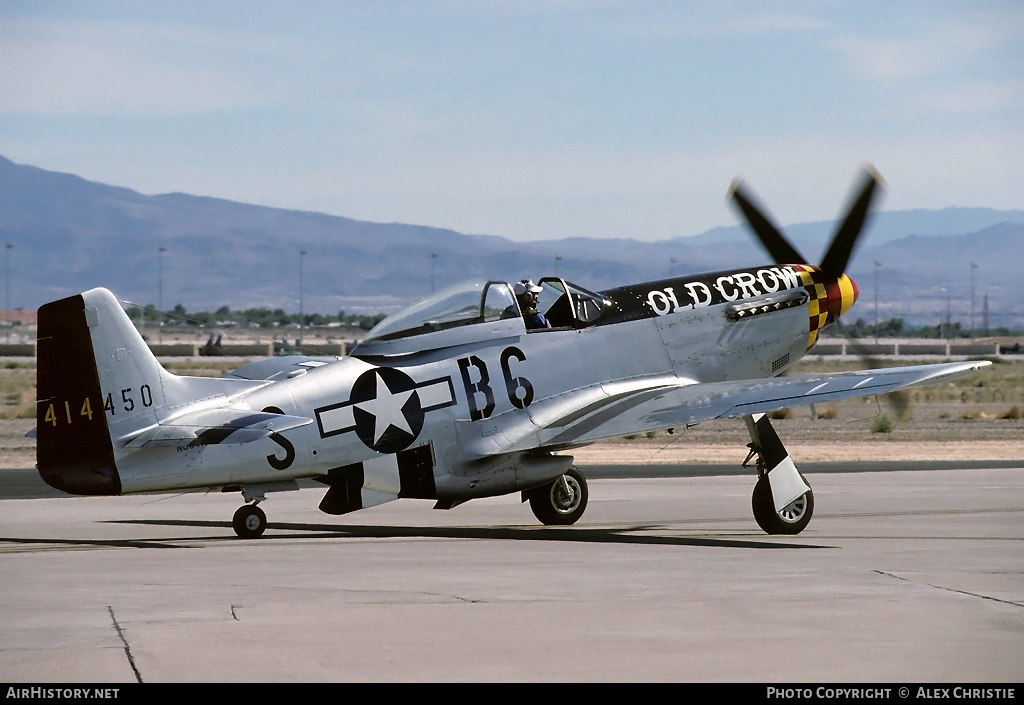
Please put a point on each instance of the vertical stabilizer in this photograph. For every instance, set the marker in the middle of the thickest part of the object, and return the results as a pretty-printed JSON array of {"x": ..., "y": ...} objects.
[{"x": 97, "y": 382}]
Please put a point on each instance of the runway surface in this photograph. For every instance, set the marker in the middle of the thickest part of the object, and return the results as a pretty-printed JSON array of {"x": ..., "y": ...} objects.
[{"x": 901, "y": 577}]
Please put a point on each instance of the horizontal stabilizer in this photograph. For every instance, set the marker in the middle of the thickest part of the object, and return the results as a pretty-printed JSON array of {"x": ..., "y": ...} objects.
[
  {"x": 277, "y": 368},
  {"x": 212, "y": 427}
]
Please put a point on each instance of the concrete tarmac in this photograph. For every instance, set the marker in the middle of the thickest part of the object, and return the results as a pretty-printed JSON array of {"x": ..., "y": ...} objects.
[{"x": 901, "y": 577}]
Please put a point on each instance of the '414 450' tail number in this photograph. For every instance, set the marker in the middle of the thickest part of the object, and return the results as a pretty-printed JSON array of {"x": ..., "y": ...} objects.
[{"x": 69, "y": 411}]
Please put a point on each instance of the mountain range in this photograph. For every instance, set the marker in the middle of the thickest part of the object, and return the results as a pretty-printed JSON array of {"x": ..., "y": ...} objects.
[{"x": 70, "y": 234}]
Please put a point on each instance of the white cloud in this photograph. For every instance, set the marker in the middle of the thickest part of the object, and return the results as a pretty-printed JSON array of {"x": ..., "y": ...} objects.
[
  {"x": 119, "y": 69},
  {"x": 890, "y": 59},
  {"x": 972, "y": 98},
  {"x": 939, "y": 46},
  {"x": 711, "y": 19}
]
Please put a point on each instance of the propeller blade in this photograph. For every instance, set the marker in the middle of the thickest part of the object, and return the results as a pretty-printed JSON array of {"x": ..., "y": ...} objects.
[
  {"x": 772, "y": 240},
  {"x": 845, "y": 239}
]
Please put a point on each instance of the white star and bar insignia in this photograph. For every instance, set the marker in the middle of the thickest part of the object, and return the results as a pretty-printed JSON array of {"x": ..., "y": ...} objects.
[{"x": 385, "y": 408}]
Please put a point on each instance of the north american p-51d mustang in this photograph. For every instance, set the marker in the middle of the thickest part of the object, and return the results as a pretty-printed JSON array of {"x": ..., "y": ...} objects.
[{"x": 471, "y": 392}]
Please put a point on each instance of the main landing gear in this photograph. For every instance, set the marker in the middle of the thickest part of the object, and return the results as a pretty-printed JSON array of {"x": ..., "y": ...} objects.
[
  {"x": 783, "y": 502},
  {"x": 249, "y": 521},
  {"x": 562, "y": 501}
]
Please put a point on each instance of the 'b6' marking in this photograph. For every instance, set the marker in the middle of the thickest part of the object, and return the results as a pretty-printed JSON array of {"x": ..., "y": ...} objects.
[{"x": 518, "y": 389}]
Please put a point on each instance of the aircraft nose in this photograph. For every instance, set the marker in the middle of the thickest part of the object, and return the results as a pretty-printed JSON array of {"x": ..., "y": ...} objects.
[{"x": 850, "y": 291}]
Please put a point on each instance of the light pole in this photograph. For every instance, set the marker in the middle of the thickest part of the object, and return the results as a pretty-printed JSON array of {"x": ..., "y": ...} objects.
[
  {"x": 877, "y": 265},
  {"x": 302, "y": 313},
  {"x": 433, "y": 256},
  {"x": 973, "y": 267},
  {"x": 160, "y": 294},
  {"x": 984, "y": 315},
  {"x": 944, "y": 330},
  {"x": 7, "y": 281}
]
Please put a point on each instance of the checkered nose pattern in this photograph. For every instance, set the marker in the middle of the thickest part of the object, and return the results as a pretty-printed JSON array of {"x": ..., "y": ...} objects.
[{"x": 830, "y": 298}]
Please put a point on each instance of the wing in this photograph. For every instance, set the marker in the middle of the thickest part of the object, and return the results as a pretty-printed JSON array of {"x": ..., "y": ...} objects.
[{"x": 587, "y": 415}]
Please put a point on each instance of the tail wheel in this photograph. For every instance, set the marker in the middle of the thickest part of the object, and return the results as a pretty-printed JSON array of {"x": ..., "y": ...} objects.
[
  {"x": 793, "y": 517},
  {"x": 562, "y": 502},
  {"x": 249, "y": 521}
]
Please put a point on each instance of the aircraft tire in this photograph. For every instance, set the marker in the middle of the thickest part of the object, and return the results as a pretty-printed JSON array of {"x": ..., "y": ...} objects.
[
  {"x": 791, "y": 520},
  {"x": 554, "y": 507},
  {"x": 249, "y": 521}
]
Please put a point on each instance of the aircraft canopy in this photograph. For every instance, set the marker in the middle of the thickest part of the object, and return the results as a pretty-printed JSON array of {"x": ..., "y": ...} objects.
[
  {"x": 479, "y": 301},
  {"x": 473, "y": 301}
]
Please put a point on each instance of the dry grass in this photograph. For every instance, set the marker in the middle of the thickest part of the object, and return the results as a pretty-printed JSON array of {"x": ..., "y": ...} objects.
[
  {"x": 830, "y": 411},
  {"x": 18, "y": 391},
  {"x": 999, "y": 383},
  {"x": 996, "y": 392}
]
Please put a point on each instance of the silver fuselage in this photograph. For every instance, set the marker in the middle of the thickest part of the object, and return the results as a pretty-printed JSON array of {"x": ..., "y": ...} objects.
[{"x": 478, "y": 398}]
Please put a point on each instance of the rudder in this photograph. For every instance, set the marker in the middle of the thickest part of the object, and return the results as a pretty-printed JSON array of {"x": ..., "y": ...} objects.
[
  {"x": 87, "y": 344},
  {"x": 73, "y": 449}
]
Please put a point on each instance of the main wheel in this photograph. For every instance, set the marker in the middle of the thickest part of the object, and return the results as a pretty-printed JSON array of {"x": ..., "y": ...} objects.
[
  {"x": 249, "y": 521},
  {"x": 793, "y": 517},
  {"x": 561, "y": 502}
]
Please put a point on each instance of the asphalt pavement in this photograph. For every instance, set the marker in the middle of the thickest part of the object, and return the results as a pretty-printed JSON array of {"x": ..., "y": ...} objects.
[{"x": 901, "y": 577}]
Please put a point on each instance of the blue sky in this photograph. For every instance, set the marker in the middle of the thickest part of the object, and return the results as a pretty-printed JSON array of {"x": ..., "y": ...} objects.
[{"x": 530, "y": 120}]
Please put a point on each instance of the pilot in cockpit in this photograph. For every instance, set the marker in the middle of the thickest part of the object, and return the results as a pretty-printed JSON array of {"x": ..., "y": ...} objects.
[{"x": 526, "y": 294}]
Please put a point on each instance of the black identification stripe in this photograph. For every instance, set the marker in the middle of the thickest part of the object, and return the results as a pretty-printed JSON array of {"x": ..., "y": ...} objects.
[
  {"x": 771, "y": 446},
  {"x": 415, "y": 468}
]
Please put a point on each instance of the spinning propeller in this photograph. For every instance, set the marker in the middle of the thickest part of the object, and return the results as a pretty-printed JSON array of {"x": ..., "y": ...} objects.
[
  {"x": 843, "y": 242},
  {"x": 836, "y": 257}
]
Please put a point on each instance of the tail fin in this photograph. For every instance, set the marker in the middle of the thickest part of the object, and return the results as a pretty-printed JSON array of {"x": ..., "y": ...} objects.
[
  {"x": 100, "y": 389},
  {"x": 73, "y": 448},
  {"x": 97, "y": 381}
]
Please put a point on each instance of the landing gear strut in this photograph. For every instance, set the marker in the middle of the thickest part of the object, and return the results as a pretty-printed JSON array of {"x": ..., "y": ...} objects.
[
  {"x": 561, "y": 502},
  {"x": 249, "y": 521},
  {"x": 783, "y": 501}
]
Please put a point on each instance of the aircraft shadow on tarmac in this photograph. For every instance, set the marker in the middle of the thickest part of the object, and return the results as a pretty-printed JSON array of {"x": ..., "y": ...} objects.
[{"x": 617, "y": 535}]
